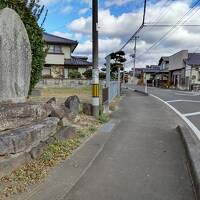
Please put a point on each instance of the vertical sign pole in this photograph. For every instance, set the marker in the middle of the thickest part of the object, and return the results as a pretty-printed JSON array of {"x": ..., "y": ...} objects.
[{"x": 95, "y": 71}]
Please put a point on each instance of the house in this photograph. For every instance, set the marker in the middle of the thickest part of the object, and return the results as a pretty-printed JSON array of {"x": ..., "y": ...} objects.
[
  {"x": 163, "y": 75},
  {"x": 184, "y": 70},
  {"x": 149, "y": 74},
  {"x": 192, "y": 71},
  {"x": 177, "y": 69},
  {"x": 59, "y": 60}
]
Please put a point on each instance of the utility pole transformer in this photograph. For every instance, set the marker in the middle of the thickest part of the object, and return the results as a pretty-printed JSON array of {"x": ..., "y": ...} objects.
[{"x": 95, "y": 71}]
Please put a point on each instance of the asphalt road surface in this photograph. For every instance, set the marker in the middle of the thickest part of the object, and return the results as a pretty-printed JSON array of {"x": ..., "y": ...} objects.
[{"x": 185, "y": 102}]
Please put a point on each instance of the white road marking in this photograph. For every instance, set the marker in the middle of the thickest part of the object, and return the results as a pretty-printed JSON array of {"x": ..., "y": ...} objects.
[
  {"x": 184, "y": 118},
  {"x": 183, "y": 100},
  {"x": 192, "y": 94},
  {"x": 191, "y": 114}
]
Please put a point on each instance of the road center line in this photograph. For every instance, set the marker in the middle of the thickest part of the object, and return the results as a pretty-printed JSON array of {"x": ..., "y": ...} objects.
[
  {"x": 191, "y": 114},
  {"x": 183, "y": 100},
  {"x": 187, "y": 121}
]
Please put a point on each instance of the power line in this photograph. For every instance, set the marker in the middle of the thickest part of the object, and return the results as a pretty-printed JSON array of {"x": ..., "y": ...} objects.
[
  {"x": 139, "y": 29},
  {"x": 161, "y": 14},
  {"x": 170, "y": 25},
  {"x": 173, "y": 27}
]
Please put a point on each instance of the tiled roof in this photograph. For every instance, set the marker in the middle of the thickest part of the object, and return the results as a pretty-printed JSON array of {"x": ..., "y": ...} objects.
[
  {"x": 152, "y": 69},
  {"x": 49, "y": 38},
  {"x": 193, "y": 59},
  {"x": 77, "y": 61}
]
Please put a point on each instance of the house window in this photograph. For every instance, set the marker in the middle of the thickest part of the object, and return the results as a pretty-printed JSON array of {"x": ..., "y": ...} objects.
[
  {"x": 199, "y": 76},
  {"x": 55, "y": 49}
]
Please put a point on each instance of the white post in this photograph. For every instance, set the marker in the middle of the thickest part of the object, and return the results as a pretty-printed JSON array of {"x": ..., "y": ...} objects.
[
  {"x": 106, "y": 106},
  {"x": 119, "y": 80},
  {"x": 146, "y": 87}
]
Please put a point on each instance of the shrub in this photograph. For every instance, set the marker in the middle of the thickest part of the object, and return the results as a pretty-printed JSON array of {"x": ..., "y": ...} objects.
[
  {"x": 74, "y": 75},
  {"x": 102, "y": 75},
  {"x": 88, "y": 74}
]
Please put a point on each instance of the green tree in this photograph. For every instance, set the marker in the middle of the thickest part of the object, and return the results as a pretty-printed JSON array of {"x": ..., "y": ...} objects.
[
  {"x": 30, "y": 12},
  {"x": 117, "y": 60}
]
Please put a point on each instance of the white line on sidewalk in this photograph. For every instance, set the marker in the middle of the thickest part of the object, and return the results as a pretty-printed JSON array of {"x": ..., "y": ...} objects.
[
  {"x": 182, "y": 100},
  {"x": 187, "y": 121},
  {"x": 191, "y": 114}
]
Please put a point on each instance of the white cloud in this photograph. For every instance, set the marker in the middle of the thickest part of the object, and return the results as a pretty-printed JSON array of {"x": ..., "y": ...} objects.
[
  {"x": 115, "y": 30},
  {"x": 67, "y": 9},
  {"x": 117, "y": 2},
  {"x": 46, "y": 2},
  {"x": 83, "y": 11},
  {"x": 75, "y": 36}
]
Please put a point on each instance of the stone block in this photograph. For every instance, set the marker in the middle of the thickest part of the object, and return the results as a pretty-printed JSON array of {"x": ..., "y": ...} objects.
[
  {"x": 59, "y": 111},
  {"x": 8, "y": 164},
  {"x": 52, "y": 101},
  {"x": 37, "y": 151},
  {"x": 15, "y": 57},
  {"x": 65, "y": 133},
  {"x": 87, "y": 108},
  {"x": 65, "y": 122},
  {"x": 25, "y": 138},
  {"x": 14, "y": 115},
  {"x": 73, "y": 104}
]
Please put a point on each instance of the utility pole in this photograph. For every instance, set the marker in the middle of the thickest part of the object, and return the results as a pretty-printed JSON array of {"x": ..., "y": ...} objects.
[
  {"x": 95, "y": 71},
  {"x": 134, "y": 57}
]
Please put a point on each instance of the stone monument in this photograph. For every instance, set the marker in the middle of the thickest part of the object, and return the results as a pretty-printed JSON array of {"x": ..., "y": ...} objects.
[{"x": 15, "y": 57}]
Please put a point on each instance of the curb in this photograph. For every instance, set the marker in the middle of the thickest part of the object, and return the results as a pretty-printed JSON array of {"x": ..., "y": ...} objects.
[
  {"x": 192, "y": 149},
  {"x": 138, "y": 91},
  {"x": 141, "y": 92}
]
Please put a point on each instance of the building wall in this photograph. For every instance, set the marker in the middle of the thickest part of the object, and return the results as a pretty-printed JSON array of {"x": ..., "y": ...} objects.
[
  {"x": 46, "y": 71},
  {"x": 55, "y": 59},
  {"x": 57, "y": 71},
  {"x": 67, "y": 51},
  {"x": 66, "y": 73},
  {"x": 147, "y": 76},
  {"x": 176, "y": 61},
  {"x": 195, "y": 75}
]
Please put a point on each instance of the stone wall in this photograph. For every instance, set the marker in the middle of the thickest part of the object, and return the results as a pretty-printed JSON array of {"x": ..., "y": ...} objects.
[
  {"x": 26, "y": 129},
  {"x": 63, "y": 83}
]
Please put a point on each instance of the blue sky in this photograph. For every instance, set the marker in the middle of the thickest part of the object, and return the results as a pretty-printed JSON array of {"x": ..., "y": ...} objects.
[{"x": 118, "y": 19}]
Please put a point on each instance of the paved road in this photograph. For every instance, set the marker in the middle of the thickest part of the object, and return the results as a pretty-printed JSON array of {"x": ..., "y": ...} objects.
[
  {"x": 187, "y": 103},
  {"x": 143, "y": 160}
]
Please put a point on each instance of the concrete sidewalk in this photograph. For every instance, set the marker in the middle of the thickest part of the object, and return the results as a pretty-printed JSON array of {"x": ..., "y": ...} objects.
[{"x": 143, "y": 159}]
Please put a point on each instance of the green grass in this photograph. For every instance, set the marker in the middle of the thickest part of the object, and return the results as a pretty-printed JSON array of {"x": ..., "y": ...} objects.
[
  {"x": 61, "y": 94},
  {"x": 104, "y": 118}
]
